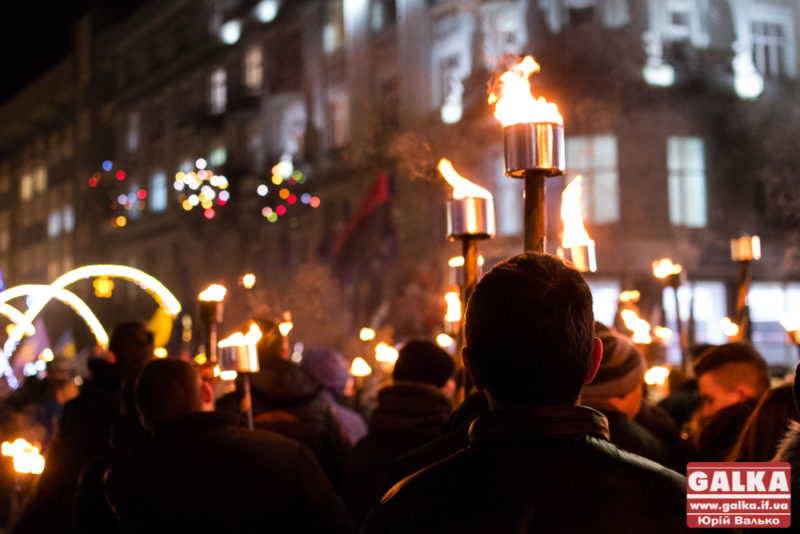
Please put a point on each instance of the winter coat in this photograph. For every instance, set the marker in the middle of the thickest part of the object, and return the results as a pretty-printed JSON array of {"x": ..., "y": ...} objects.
[
  {"x": 789, "y": 451},
  {"x": 630, "y": 436},
  {"x": 537, "y": 469},
  {"x": 408, "y": 414},
  {"x": 206, "y": 472},
  {"x": 287, "y": 399}
]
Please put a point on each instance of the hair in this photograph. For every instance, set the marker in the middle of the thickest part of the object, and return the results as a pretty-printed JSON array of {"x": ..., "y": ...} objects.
[
  {"x": 271, "y": 343},
  {"x": 168, "y": 388},
  {"x": 530, "y": 331},
  {"x": 734, "y": 364},
  {"x": 132, "y": 345},
  {"x": 423, "y": 361}
]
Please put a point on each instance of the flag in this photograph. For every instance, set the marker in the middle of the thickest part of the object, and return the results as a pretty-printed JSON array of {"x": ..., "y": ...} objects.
[{"x": 377, "y": 195}]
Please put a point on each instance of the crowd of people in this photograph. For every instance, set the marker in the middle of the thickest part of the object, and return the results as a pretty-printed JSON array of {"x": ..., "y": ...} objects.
[{"x": 558, "y": 434}]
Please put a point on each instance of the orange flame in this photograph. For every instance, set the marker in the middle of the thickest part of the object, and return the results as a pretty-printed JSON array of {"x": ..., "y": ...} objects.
[
  {"x": 575, "y": 234},
  {"x": 514, "y": 102},
  {"x": 639, "y": 327},
  {"x": 462, "y": 188},
  {"x": 664, "y": 267}
]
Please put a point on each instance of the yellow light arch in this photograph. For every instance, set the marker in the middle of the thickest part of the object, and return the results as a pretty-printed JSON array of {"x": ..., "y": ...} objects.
[{"x": 16, "y": 317}]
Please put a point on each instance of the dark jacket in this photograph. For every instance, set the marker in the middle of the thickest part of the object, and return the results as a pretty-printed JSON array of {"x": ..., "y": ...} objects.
[
  {"x": 408, "y": 414},
  {"x": 630, "y": 436},
  {"x": 716, "y": 438},
  {"x": 206, "y": 472},
  {"x": 83, "y": 434},
  {"x": 287, "y": 399},
  {"x": 789, "y": 451},
  {"x": 537, "y": 469}
]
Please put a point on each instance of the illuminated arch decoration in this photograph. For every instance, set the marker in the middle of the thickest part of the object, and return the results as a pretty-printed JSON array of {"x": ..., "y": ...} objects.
[
  {"x": 16, "y": 317},
  {"x": 45, "y": 293}
]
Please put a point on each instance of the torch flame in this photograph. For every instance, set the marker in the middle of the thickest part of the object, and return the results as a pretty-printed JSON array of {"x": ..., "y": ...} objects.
[
  {"x": 728, "y": 327},
  {"x": 237, "y": 339},
  {"x": 360, "y": 367},
  {"x": 664, "y": 267},
  {"x": 514, "y": 102},
  {"x": 462, "y": 188},
  {"x": 631, "y": 295},
  {"x": 385, "y": 353},
  {"x": 656, "y": 375},
  {"x": 26, "y": 456},
  {"x": 639, "y": 327},
  {"x": 213, "y": 293},
  {"x": 575, "y": 234},
  {"x": 453, "y": 314}
]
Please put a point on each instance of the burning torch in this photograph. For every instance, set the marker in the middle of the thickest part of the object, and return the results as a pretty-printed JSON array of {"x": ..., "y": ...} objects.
[
  {"x": 673, "y": 275},
  {"x": 576, "y": 245},
  {"x": 211, "y": 315},
  {"x": 470, "y": 217},
  {"x": 359, "y": 370},
  {"x": 792, "y": 326},
  {"x": 744, "y": 250},
  {"x": 533, "y": 131},
  {"x": 239, "y": 354}
]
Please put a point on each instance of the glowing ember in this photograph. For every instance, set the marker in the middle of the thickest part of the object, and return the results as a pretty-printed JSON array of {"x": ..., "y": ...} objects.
[
  {"x": 656, "y": 375},
  {"x": 213, "y": 293},
  {"x": 664, "y": 267},
  {"x": 514, "y": 102},
  {"x": 453, "y": 300},
  {"x": 360, "y": 368},
  {"x": 575, "y": 234},
  {"x": 462, "y": 188}
]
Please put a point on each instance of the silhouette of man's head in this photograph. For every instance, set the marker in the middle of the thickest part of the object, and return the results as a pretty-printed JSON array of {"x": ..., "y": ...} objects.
[
  {"x": 167, "y": 389},
  {"x": 530, "y": 332},
  {"x": 131, "y": 347},
  {"x": 729, "y": 374}
]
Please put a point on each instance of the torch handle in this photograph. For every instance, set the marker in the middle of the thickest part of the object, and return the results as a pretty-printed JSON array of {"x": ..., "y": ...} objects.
[
  {"x": 535, "y": 216},
  {"x": 470, "y": 269},
  {"x": 248, "y": 398},
  {"x": 742, "y": 318}
]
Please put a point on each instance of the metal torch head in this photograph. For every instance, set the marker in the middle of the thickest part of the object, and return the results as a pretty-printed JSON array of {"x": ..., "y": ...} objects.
[
  {"x": 470, "y": 217},
  {"x": 211, "y": 311},
  {"x": 582, "y": 257},
  {"x": 534, "y": 147},
  {"x": 239, "y": 358}
]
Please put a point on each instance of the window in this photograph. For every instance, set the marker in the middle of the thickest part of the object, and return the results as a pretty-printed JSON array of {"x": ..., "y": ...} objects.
[
  {"x": 382, "y": 13},
  {"x": 218, "y": 156},
  {"x": 133, "y": 210},
  {"x": 132, "y": 132},
  {"x": 679, "y": 19},
  {"x": 26, "y": 187},
  {"x": 158, "y": 192},
  {"x": 595, "y": 158},
  {"x": 339, "y": 105},
  {"x": 605, "y": 295},
  {"x": 686, "y": 181},
  {"x": 768, "y": 304},
  {"x": 68, "y": 218},
  {"x": 218, "y": 94},
  {"x": 769, "y": 43},
  {"x": 253, "y": 68},
  {"x": 53, "y": 223},
  {"x": 705, "y": 302},
  {"x": 40, "y": 179},
  {"x": 333, "y": 32}
]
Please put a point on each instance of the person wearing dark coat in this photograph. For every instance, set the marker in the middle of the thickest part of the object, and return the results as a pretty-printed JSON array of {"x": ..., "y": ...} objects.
[
  {"x": 289, "y": 400},
  {"x": 83, "y": 430},
  {"x": 410, "y": 412},
  {"x": 204, "y": 471},
  {"x": 731, "y": 379},
  {"x": 536, "y": 462},
  {"x": 616, "y": 392},
  {"x": 759, "y": 439}
]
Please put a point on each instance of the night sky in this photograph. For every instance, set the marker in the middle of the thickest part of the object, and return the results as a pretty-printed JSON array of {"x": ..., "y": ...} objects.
[{"x": 36, "y": 35}]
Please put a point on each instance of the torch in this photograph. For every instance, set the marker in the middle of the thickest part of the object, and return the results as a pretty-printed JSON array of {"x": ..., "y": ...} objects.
[
  {"x": 744, "y": 250},
  {"x": 238, "y": 353},
  {"x": 211, "y": 315},
  {"x": 792, "y": 327},
  {"x": 470, "y": 217},
  {"x": 576, "y": 245},
  {"x": 359, "y": 370},
  {"x": 533, "y": 131},
  {"x": 673, "y": 275}
]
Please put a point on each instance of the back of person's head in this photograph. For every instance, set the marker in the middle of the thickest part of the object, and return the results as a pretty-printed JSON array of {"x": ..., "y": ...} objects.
[
  {"x": 271, "y": 343},
  {"x": 423, "y": 361},
  {"x": 621, "y": 369},
  {"x": 530, "y": 331},
  {"x": 734, "y": 364},
  {"x": 132, "y": 346},
  {"x": 168, "y": 388},
  {"x": 328, "y": 366}
]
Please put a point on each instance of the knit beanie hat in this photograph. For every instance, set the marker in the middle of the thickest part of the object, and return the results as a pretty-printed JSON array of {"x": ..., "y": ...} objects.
[
  {"x": 621, "y": 370},
  {"x": 422, "y": 361},
  {"x": 327, "y": 366}
]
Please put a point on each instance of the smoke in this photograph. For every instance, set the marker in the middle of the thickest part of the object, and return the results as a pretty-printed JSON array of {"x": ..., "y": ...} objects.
[{"x": 413, "y": 155}]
